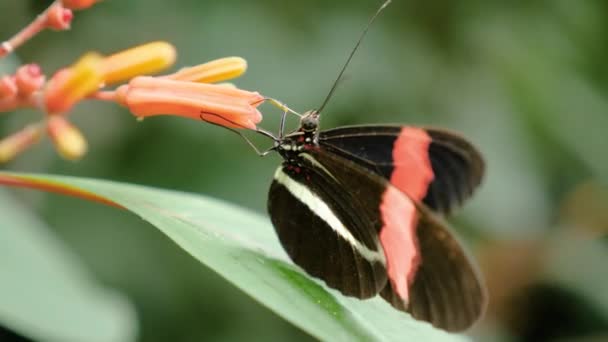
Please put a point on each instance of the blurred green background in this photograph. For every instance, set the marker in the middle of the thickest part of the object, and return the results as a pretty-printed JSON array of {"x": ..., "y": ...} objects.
[{"x": 526, "y": 81}]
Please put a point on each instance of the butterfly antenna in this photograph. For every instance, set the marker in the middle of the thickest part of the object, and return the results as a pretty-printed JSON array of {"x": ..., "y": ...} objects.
[{"x": 352, "y": 53}]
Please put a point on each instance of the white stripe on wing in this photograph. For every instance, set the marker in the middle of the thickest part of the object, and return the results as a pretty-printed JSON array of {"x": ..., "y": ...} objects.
[{"x": 323, "y": 211}]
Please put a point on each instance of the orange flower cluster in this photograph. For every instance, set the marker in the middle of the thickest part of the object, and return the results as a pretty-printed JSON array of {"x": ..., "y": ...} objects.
[
  {"x": 17, "y": 90},
  {"x": 188, "y": 92}
]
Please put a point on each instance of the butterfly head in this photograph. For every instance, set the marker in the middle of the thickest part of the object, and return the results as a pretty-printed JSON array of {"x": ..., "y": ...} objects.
[{"x": 309, "y": 121}]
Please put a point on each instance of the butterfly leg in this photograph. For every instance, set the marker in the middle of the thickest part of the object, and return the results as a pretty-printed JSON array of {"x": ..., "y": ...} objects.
[
  {"x": 282, "y": 125},
  {"x": 247, "y": 140}
]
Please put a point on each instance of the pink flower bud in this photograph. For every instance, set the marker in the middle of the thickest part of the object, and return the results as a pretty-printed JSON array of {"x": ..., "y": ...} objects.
[
  {"x": 29, "y": 78},
  {"x": 58, "y": 17}
]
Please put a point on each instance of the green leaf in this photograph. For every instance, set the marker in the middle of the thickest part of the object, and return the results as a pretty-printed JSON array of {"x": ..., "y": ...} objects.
[
  {"x": 45, "y": 293},
  {"x": 241, "y": 246}
]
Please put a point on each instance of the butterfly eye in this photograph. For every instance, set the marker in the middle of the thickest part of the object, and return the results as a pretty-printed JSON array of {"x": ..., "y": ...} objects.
[
  {"x": 309, "y": 122},
  {"x": 308, "y": 125}
]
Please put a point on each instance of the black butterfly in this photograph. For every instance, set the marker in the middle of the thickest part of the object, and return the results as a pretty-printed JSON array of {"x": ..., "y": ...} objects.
[{"x": 357, "y": 207}]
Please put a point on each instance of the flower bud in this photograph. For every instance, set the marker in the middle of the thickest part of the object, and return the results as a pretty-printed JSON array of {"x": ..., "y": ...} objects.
[
  {"x": 141, "y": 60},
  {"x": 68, "y": 140},
  {"x": 16, "y": 143},
  {"x": 29, "y": 78},
  {"x": 58, "y": 17},
  {"x": 222, "y": 69}
]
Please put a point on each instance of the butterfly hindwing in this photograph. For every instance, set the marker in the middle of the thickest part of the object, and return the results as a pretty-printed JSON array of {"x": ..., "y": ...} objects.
[
  {"x": 429, "y": 274},
  {"x": 434, "y": 166},
  {"x": 325, "y": 230},
  {"x": 447, "y": 290}
]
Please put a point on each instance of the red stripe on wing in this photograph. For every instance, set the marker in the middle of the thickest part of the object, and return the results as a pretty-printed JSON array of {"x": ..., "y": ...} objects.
[
  {"x": 412, "y": 171},
  {"x": 398, "y": 238},
  {"x": 412, "y": 175}
]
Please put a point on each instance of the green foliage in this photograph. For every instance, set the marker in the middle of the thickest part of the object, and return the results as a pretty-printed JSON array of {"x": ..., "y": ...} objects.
[
  {"x": 242, "y": 248},
  {"x": 46, "y": 292}
]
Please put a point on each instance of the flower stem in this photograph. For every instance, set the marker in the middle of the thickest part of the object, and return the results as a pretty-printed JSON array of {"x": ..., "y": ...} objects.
[
  {"x": 104, "y": 95},
  {"x": 39, "y": 24}
]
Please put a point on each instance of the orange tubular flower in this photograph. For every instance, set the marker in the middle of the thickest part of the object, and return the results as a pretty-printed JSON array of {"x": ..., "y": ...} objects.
[
  {"x": 226, "y": 106},
  {"x": 185, "y": 93}
]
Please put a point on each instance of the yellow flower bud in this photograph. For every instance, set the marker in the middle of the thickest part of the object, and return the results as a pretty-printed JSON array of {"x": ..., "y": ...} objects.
[
  {"x": 219, "y": 70},
  {"x": 141, "y": 60},
  {"x": 68, "y": 140}
]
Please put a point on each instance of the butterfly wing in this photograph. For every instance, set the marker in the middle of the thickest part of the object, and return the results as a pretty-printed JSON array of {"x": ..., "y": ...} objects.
[
  {"x": 429, "y": 274},
  {"x": 325, "y": 230},
  {"x": 447, "y": 289},
  {"x": 434, "y": 166}
]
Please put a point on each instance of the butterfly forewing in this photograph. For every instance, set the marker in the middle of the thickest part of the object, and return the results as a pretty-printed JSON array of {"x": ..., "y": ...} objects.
[
  {"x": 325, "y": 230},
  {"x": 434, "y": 166}
]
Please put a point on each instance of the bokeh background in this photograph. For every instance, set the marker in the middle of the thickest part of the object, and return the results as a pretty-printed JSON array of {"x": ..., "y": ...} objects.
[{"x": 526, "y": 81}]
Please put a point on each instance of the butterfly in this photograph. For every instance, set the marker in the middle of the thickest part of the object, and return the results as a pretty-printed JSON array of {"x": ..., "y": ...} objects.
[{"x": 360, "y": 208}]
